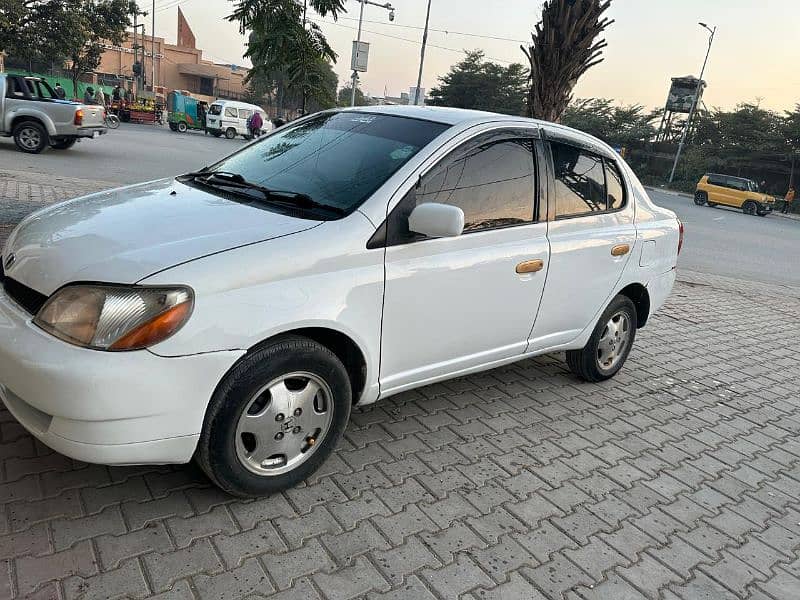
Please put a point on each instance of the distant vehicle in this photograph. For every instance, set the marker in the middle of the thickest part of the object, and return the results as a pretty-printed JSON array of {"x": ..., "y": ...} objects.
[
  {"x": 725, "y": 190},
  {"x": 32, "y": 112},
  {"x": 229, "y": 118},
  {"x": 238, "y": 313},
  {"x": 185, "y": 112}
]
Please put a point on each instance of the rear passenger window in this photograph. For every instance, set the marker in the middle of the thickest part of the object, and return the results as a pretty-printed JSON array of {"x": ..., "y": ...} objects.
[
  {"x": 616, "y": 189},
  {"x": 580, "y": 181},
  {"x": 231, "y": 112},
  {"x": 244, "y": 113}
]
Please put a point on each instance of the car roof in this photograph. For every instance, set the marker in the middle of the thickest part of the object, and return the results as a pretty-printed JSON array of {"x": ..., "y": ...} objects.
[{"x": 729, "y": 176}]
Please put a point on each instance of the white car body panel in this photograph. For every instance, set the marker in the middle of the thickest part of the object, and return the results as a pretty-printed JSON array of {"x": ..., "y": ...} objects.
[{"x": 419, "y": 313}]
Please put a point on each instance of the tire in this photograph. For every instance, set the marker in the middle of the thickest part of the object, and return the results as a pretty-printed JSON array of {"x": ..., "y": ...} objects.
[
  {"x": 173, "y": 127},
  {"x": 182, "y": 128},
  {"x": 63, "y": 144},
  {"x": 594, "y": 362},
  {"x": 112, "y": 121},
  {"x": 700, "y": 198},
  {"x": 31, "y": 137},
  {"x": 749, "y": 208},
  {"x": 235, "y": 458},
  {"x": 230, "y": 133}
]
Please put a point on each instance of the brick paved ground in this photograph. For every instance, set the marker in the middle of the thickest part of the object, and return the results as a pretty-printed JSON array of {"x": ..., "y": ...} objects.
[{"x": 679, "y": 479}]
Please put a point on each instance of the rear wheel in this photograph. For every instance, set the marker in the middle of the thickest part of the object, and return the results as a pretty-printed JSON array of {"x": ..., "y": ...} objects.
[
  {"x": 31, "y": 137},
  {"x": 63, "y": 143},
  {"x": 182, "y": 127},
  {"x": 610, "y": 344},
  {"x": 749, "y": 208},
  {"x": 275, "y": 418},
  {"x": 230, "y": 133},
  {"x": 700, "y": 198}
]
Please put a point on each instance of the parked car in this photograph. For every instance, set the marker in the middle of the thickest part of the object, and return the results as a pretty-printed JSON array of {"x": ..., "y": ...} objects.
[
  {"x": 236, "y": 314},
  {"x": 725, "y": 190},
  {"x": 229, "y": 118},
  {"x": 31, "y": 112}
]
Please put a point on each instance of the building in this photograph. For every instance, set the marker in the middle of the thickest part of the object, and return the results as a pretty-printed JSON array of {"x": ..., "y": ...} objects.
[{"x": 178, "y": 66}]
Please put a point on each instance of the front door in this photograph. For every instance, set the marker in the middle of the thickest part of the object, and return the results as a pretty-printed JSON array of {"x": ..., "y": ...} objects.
[
  {"x": 592, "y": 236},
  {"x": 455, "y": 304}
]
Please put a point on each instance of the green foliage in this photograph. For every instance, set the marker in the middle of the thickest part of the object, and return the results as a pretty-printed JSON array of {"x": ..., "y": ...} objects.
[
  {"x": 346, "y": 93},
  {"x": 482, "y": 85},
  {"x": 288, "y": 52},
  {"x": 616, "y": 125}
]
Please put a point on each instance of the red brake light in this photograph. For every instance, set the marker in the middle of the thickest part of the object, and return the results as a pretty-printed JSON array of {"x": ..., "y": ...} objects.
[
  {"x": 78, "y": 117},
  {"x": 680, "y": 235}
]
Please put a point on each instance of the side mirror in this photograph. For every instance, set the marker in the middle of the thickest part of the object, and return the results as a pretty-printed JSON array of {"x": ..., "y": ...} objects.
[{"x": 437, "y": 220}]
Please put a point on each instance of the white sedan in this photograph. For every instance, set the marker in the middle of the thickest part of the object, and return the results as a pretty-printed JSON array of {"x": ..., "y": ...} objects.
[{"x": 236, "y": 314}]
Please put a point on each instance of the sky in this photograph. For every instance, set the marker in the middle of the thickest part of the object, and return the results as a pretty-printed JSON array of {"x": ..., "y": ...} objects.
[{"x": 754, "y": 56}]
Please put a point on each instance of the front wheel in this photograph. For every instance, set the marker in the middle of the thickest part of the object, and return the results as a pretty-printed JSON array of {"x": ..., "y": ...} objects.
[
  {"x": 275, "y": 418},
  {"x": 749, "y": 208},
  {"x": 610, "y": 343},
  {"x": 182, "y": 127},
  {"x": 112, "y": 121}
]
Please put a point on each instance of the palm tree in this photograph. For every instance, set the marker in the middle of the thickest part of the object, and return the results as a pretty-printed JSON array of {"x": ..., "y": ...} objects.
[
  {"x": 285, "y": 47},
  {"x": 563, "y": 48}
]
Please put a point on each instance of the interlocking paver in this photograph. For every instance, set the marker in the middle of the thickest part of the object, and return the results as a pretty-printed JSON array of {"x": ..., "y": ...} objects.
[{"x": 680, "y": 478}]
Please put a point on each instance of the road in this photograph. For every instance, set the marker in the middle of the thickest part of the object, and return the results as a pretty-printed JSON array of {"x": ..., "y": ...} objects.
[
  {"x": 724, "y": 241},
  {"x": 718, "y": 241},
  {"x": 130, "y": 154}
]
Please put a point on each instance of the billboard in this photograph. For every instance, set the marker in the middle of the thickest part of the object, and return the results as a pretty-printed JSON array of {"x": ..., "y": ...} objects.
[{"x": 681, "y": 94}]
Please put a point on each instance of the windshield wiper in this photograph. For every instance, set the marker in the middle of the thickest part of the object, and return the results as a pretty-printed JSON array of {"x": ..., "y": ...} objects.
[{"x": 236, "y": 181}]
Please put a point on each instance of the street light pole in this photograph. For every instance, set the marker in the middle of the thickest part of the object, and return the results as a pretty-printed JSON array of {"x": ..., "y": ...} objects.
[
  {"x": 388, "y": 6},
  {"x": 694, "y": 102},
  {"x": 153, "y": 46},
  {"x": 422, "y": 54}
]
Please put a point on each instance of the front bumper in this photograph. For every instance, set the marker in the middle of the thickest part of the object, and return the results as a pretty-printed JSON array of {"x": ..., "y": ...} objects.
[{"x": 104, "y": 407}]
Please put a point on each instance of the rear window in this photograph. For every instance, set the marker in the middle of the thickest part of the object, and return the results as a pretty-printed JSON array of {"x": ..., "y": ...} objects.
[{"x": 215, "y": 109}]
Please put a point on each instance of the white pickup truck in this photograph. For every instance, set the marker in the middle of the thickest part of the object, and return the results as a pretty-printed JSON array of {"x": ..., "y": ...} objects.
[{"x": 31, "y": 112}]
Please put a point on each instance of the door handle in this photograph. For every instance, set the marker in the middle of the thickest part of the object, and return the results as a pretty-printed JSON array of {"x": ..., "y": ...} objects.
[
  {"x": 530, "y": 266},
  {"x": 620, "y": 250}
]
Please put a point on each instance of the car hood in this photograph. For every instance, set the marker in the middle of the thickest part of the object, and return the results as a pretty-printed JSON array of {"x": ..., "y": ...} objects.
[{"x": 124, "y": 235}]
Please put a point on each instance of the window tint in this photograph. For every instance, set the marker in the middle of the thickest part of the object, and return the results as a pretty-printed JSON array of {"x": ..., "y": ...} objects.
[
  {"x": 580, "y": 181},
  {"x": 231, "y": 112},
  {"x": 716, "y": 180},
  {"x": 736, "y": 184},
  {"x": 492, "y": 182},
  {"x": 616, "y": 188},
  {"x": 215, "y": 109},
  {"x": 244, "y": 113}
]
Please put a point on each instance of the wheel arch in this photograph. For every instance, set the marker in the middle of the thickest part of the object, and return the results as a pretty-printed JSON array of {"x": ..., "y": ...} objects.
[
  {"x": 638, "y": 294},
  {"x": 342, "y": 345}
]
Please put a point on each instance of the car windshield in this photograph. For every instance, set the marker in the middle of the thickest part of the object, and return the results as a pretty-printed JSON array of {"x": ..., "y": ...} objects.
[
  {"x": 338, "y": 159},
  {"x": 215, "y": 109}
]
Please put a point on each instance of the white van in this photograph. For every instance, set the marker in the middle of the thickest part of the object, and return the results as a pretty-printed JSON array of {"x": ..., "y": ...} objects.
[{"x": 229, "y": 118}]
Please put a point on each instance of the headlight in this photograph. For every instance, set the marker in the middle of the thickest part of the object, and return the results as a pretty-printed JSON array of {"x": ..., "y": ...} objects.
[{"x": 109, "y": 317}]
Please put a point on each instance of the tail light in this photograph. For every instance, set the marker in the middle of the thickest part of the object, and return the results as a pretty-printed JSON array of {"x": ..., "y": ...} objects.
[
  {"x": 680, "y": 235},
  {"x": 78, "y": 117}
]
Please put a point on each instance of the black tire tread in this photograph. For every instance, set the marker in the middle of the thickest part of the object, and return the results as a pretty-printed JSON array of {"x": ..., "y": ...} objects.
[{"x": 282, "y": 346}]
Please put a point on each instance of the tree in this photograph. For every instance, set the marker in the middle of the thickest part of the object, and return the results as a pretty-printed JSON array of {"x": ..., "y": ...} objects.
[
  {"x": 616, "y": 125},
  {"x": 86, "y": 26},
  {"x": 22, "y": 21},
  {"x": 346, "y": 94},
  {"x": 563, "y": 48},
  {"x": 482, "y": 85},
  {"x": 286, "y": 48}
]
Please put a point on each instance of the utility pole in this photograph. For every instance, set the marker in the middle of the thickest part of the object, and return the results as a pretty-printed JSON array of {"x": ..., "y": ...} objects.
[
  {"x": 422, "y": 54},
  {"x": 354, "y": 80},
  {"x": 694, "y": 102},
  {"x": 153, "y": 46}
]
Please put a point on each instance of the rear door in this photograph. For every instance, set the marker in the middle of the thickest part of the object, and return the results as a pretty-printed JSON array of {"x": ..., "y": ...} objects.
[{"x": 592, "y": 236}]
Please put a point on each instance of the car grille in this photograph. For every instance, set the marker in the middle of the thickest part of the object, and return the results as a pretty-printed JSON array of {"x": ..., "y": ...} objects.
[{"x": 26, "y": 297}]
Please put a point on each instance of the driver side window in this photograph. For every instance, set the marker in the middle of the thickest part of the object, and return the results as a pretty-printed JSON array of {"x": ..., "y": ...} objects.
[{"x": 492, "y": 178}]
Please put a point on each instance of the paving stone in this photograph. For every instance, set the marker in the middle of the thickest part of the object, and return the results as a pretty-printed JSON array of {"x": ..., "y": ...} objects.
[
  {"x": 31, "y": 541},
  {"x": 517, "y": 588},
  {"x": 299, "y": 529},
  {"x": 68, "y": 531},
  {"x": 259, "y": 540},
  {"x": 185, "y": 530},
  {"x": 461, "y": 576},
  {"x": 403, "y": 561},
  {"x": 32, "y": 572},
  {"x": 285, "y": 568},
  {"x": 114, "y": 549},
  {"x": 412, "y": 589},
  {"x": 128, "y": 580},
  {"x": 236, "y": 583},
  {"x": 165, "y": 569}
]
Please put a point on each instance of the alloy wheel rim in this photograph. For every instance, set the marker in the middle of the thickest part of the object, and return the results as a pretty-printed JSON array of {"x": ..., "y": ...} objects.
[
  {"x": 613, "y": 341},
  {"x": 283, "y": 423},
  {"x": 30, "y": 138}
]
